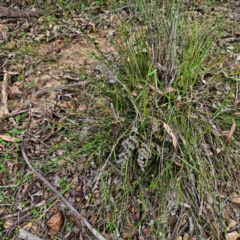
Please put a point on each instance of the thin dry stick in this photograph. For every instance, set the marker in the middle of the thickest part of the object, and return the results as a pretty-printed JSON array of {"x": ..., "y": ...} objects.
[
  {"x": 4, "y": 106},
  {"x": 12, "y": 114},
  {"x": 73, "y": 210},
  {"x": 46, "y": 90}
]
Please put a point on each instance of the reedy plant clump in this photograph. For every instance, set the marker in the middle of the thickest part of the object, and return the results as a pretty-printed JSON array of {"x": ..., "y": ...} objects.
[{"x": 163, "y": 56}]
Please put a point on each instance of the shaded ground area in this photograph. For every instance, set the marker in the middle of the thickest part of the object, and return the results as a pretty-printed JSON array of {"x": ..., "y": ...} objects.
[{"x": 54, "y": 101}]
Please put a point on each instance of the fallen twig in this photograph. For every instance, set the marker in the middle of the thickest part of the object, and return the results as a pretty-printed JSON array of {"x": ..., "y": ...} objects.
[
  {"x": 46, "y": 90},
  {"x": 64, "y": 200},
  {"x": 15, "y": 113},
  {"x": 4, "y": 107},
  {"x": 17, "y": 13}
]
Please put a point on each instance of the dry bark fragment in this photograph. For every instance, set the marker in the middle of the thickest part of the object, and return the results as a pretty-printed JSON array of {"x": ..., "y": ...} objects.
[{"x": 17, "y": 13}]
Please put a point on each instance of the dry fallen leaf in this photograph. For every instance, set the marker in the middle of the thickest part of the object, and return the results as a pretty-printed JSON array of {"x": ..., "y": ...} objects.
[
  {"x": 235, "y": 197},
  {"x": 55, "y": 222},
  {"x": 2, "y": 210},
  {"x": 147, "y": 231},
  {"x": 75, "y": 193},
  {"x": 128, "y": 232},
  {"x": 34, "y": 228},
  {"x": 10, "y": 45},
  {"x": 10, "y": 139},
  {"x": 186, "y": 236},
  {"x": 228, "y": 138},
  {"x": 28, "y": 226},
  {"x": 15, "y": 90},
  {"x": 93, "y": 220},
  {"x": 74, "y": 219},
  {"x": 236, "y": 200},
  {"x": 170, "y": 132},
  {"x": 232, "y": 236},
  {"x": 232, "y": 223},
  {"x": 8, "y": 224}
]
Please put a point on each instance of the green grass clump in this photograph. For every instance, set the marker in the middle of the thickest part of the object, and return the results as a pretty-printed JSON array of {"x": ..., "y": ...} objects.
[{"x": 170, "y": 109}]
